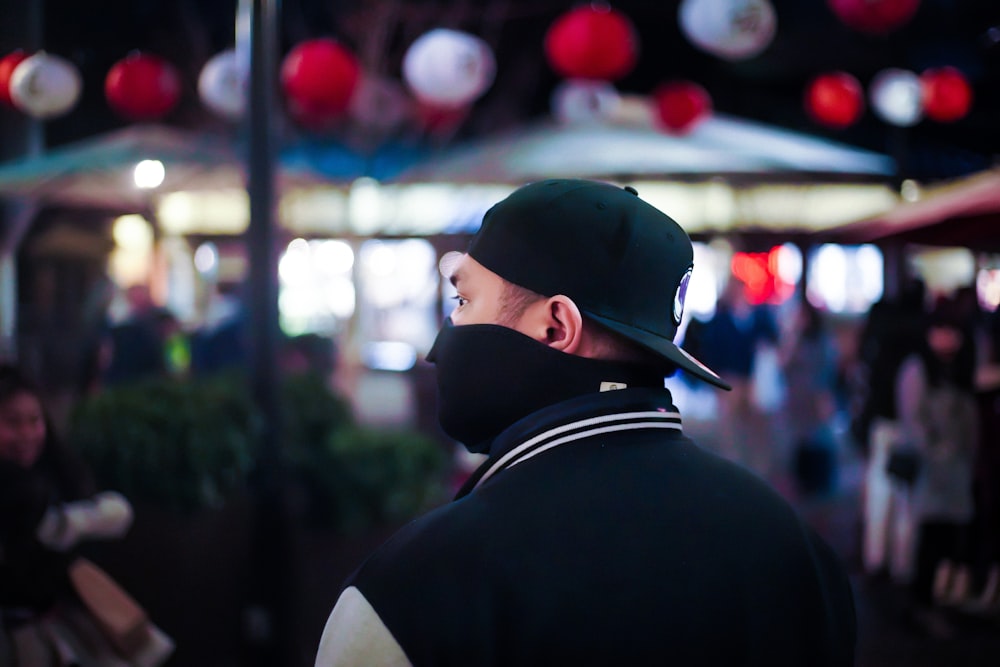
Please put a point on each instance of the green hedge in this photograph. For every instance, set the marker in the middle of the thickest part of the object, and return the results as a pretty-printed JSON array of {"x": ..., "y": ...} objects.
[
  {"x": 359, "y": 477},
  {"x": 189, "y": 444},
  {"x": 182, "y": 444}
]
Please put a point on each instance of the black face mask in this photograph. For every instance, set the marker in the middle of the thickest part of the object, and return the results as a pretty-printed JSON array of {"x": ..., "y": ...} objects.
[{"x": 490, "y": 376}]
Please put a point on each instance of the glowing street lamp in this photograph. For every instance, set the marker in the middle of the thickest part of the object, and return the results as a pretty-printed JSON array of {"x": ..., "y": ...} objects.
[{"x": 149, "y": 174}]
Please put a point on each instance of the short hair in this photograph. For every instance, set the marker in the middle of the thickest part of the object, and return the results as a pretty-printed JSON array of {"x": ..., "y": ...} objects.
[{"x": 514, "y": 300}]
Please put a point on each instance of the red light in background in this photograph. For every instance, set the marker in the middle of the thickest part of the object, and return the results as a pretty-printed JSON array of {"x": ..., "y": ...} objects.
[{"x": 758, "y": 271}]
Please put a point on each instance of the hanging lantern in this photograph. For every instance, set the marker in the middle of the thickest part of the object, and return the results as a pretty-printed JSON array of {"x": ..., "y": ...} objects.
[
  {"x": 581, "y": 101},
  {"x": 592, "y": 42},
  {"x": 896, "y": 97},
  {"x": 318, "y": 78},
  {"x": 142, "y": 86},
  {"x": 449, "y": 68},
  {"x": 221, "y": 86},
  {"x": 730, "y": 29},
  {"x": 7, "y": 65},
  {"x": 45, "y": 86},
  {"x": 874, "y": 17},
  {"x": 835, "y": 99},
  {"x": 681, "y": 106},
  {"x": 947, "y": 95}
]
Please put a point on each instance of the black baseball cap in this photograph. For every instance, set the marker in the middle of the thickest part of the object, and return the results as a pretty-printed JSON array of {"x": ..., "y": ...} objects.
[{"x": 624, "y": 262}]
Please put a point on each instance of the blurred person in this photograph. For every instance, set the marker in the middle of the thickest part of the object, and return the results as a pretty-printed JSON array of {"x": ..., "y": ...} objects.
[
  {"x": 595, "y": 532},
  {"x": 894, "y": 330},
  {"x": 95, "y": 323},
  {"x": 809, "y": 362},
  {"x": 983, "y": 596},
  {"x": 49, "y": 505},
  {"x": 220, "y": 343},
  {"x": 891, "y": 331},
  {"x": 136, "y": 347},
  {"x": 983, "y": 327},
  {"x": 939, "y": 425},
  {"x": 310, "y": 353},
  {"x": 732, "y": 342}
]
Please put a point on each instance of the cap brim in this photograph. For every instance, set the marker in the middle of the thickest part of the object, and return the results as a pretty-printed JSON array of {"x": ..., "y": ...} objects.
[{"x": 664, "y": 348}]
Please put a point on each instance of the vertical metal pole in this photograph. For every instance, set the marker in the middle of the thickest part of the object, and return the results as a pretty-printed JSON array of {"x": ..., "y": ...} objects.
[
  {"x": 895, "y": 270},
  {"x": 269, "y": 628},
  {"x": 261, "y": 237}
]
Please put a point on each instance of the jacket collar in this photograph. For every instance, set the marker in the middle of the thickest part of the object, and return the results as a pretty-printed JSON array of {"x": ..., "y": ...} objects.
[{"x": 575, "y": 419}]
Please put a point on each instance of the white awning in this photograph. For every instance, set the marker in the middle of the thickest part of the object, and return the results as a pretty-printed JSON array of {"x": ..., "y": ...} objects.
[{"x": 627, "y": 148}]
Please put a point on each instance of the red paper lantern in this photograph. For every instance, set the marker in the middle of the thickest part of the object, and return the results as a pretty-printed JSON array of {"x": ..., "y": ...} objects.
[
  {"x": 318, "y": 78},
  {"x": 592, "y": 43},
  {"x": 681, "y": 105},
  {"x": 947, "y": 94},
  {"x": 142, "y": 86},
  {"x": 875, "y": 17},
  {"x": 835, "y": 99},
  {"x": 7, "y": 65}
]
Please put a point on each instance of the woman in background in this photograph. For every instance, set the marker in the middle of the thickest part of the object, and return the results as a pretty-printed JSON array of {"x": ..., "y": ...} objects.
[
  {"x": 48, "y": 505},
  {"x": 939, "y": 427}
]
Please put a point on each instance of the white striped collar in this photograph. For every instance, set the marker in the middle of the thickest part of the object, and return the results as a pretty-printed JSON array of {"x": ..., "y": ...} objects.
[{"x": 578, "y": 430}]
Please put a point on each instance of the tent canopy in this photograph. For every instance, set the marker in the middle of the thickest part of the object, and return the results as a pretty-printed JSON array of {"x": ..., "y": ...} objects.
[
  {"x": 631, "y": 147},
  {"x": 98, "y": 172},
  {"x": 732, "y": 153},
  {"x": 964, "y": 212}
]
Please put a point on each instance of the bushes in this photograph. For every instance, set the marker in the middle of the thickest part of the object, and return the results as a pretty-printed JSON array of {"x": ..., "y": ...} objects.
[
  {"x": 181, "y": 444},
  {"x": 358, "y": 477},
  {"x": 188, "y": 444},
  {"x": 353, "y": 477}
]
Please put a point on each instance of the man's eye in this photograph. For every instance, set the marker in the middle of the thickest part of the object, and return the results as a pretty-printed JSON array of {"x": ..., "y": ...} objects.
[{"x": 460, "y": 300}]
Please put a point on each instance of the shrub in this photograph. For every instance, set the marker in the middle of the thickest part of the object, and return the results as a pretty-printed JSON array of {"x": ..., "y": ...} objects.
[
  {"x": 189, "y": 444},
  {"x": 363, "y": 476},
  {"x": 182, "y": 444}
]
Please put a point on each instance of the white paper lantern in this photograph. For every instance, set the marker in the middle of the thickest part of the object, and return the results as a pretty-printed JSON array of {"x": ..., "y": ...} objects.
[
  {"x": 730, "y": 29},
  {"x": 582, "y": 101},
  {"x": 380, "y": 103},
  {"x": 222, "y": 85},
  {"x": 449, "y": 68},
  {"x": 45, "y": 86},
  {"x": 896, "y": 97}
]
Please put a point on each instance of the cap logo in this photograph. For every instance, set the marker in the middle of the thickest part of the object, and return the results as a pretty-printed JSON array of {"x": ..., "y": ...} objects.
[{"x": 680, "y": 295}]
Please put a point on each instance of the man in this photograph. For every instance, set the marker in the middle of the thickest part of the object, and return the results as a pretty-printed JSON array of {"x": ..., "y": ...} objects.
[
  {"x": 595, "y": 533},
  {"x": 136, "y": 345}
]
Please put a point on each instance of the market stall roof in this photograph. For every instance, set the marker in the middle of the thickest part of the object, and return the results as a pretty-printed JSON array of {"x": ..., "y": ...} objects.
[
  {"x": 963, "y": 212},
  {"x": 98, "y": 172},
  {"x": 630, "y": 146},
  {"x": 724, "y": 157}
]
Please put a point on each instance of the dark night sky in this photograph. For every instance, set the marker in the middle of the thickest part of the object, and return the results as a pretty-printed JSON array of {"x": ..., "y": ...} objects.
[{"x": 768, "y": 87}]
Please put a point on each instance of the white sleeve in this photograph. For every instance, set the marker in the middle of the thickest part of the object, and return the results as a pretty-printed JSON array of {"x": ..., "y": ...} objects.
[
  {"x": 106, "y": 515},
  {"x": 355, "y": 636}
]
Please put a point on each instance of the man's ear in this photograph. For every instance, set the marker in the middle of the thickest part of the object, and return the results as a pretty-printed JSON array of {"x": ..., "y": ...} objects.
[{"x": 564, "y": 326}]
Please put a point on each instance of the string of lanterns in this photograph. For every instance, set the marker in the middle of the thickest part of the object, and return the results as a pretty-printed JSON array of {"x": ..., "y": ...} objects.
[{"x": 445, "y": 71}]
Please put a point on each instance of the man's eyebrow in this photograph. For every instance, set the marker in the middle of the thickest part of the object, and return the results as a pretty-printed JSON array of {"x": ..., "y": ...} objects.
[{"x": 455, "y": 277}]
